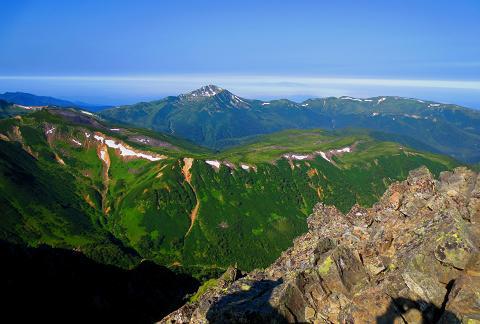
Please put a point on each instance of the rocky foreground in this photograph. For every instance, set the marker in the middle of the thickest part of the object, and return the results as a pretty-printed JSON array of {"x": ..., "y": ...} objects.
[{"x": 413, "y": 257}]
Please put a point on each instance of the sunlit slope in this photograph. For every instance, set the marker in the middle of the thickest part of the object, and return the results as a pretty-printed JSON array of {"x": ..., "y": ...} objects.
[
  {"x": 70, "y": 180},
  {"x": 216, "y": 118}
]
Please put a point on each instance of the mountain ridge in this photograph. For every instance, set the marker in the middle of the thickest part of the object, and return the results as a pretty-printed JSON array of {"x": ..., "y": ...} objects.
[
  {"x": 28, "y": 99},
  {"x": 221, "y": 119},
  {"x": 110, "y": 190}
]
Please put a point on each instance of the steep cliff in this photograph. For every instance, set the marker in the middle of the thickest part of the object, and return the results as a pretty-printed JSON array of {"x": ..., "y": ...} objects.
[{"x": 413, "y": 257}]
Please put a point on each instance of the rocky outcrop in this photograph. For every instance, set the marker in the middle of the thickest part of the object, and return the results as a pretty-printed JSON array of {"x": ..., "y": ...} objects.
[{"x": 411, "y": 258}]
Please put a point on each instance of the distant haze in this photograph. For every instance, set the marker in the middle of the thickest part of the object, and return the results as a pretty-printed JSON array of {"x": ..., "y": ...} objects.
[
  {"x": 427, "y": 49},
  {"x": 117, "y": 90}
]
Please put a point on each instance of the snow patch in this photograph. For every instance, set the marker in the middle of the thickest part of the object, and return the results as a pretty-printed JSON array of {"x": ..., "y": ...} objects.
[
  {"x": 214, "y": 163},
  {"x": 350, "y": 98},
  {"x": 206, "y": 91},
  {"x": 381, "y": 100},
  {"x": 99, "y": 138},
  {"x": 86, "y": 112},
  {"x": 124, "y": 151},
  {"x": 434, "y": 105},
  {"x": 103, "y": 156},
  {"x": 23, "y": 107},
  {"x": 114, "y": 129},
  {"x": 299, "y": 157},
  {"x": 229, "y": 164},
  {"x": 265, "y": 103},
  {"x": 76, "y": 142},
  {"x": 344, "y": 150},
  {"x": 296, "y": 156},
  {"x": 375, "y": 114},
  {"x": 323, "y": 155},
  {"x": 237, "y": 99},
  {"x": 245, "y": 167}
]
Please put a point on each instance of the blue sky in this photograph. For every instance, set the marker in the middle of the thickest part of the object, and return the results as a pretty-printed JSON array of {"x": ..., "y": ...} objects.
[{"x": 123, "y": 51}]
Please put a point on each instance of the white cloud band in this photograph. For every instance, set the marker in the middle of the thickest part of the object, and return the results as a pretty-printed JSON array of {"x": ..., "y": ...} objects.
[{"x": 284, "y": 81}]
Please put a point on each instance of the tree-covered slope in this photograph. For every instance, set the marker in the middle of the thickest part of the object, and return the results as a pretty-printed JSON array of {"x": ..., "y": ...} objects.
[
  {"x": 119, "y": 194},
  {"x": 216, "y": 118}
]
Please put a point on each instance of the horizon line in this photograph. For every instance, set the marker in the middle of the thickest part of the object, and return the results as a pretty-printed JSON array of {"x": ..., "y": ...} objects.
[{"x": 272, "y": 79}]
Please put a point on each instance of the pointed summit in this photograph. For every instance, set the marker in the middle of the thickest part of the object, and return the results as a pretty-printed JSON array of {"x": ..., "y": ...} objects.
[
  {"x": 206, "y": 91},
  {"x": 215, "y": 97}
]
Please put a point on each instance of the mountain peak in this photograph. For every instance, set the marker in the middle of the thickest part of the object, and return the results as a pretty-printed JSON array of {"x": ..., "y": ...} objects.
[
  {"x": 206, "y": 91},
  {"x": 221, "y": 98}
]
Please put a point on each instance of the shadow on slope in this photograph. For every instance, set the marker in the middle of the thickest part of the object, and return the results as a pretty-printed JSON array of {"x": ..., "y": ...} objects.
[
  {"x": 253, "y": 306},
  {"x": 416, "y": 311},
  {"x": 250, "y": 305},
  {"x": 54, "y": 285}
]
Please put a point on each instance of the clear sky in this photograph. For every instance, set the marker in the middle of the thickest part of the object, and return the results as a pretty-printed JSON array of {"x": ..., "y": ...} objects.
[{"x": 123, "y": 51}]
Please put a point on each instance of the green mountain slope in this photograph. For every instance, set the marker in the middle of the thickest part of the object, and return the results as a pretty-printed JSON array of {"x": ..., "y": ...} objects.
[
  {"x": 216, "y": 118},
  {"x": 118, "y": 194}
]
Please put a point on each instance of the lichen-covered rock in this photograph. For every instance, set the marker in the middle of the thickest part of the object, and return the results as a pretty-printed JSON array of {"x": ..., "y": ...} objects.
[
  {"x": 454, "y": 248},
  {"x": 413, "y": 257}
]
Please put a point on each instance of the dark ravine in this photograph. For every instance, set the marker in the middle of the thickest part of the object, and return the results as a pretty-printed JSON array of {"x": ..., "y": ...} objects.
[
  {"x": 51, "y": 285},
  {"x": 414, "y": 257}
]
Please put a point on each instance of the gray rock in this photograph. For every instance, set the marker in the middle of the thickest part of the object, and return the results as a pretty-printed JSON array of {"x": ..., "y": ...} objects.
[{"x": 412, "y": 257}]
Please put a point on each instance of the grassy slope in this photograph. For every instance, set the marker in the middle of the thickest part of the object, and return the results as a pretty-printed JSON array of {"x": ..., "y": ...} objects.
[
  {"x": 250, "y": 217},
  {"x": 266, "y": 209},
  {"x": 245, "y": 217},
  {"x": 447, "y": 129},
  {"x": 41, "y": 203}
]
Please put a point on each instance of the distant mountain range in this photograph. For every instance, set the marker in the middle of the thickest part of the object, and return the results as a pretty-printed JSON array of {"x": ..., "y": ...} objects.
[
  {"x": 216, "y": 118},
  {"x": 28, "y": 99}
]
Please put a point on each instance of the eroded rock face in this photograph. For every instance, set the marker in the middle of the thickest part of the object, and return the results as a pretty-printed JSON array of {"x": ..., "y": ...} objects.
[{"x": 412, "y": 257}]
